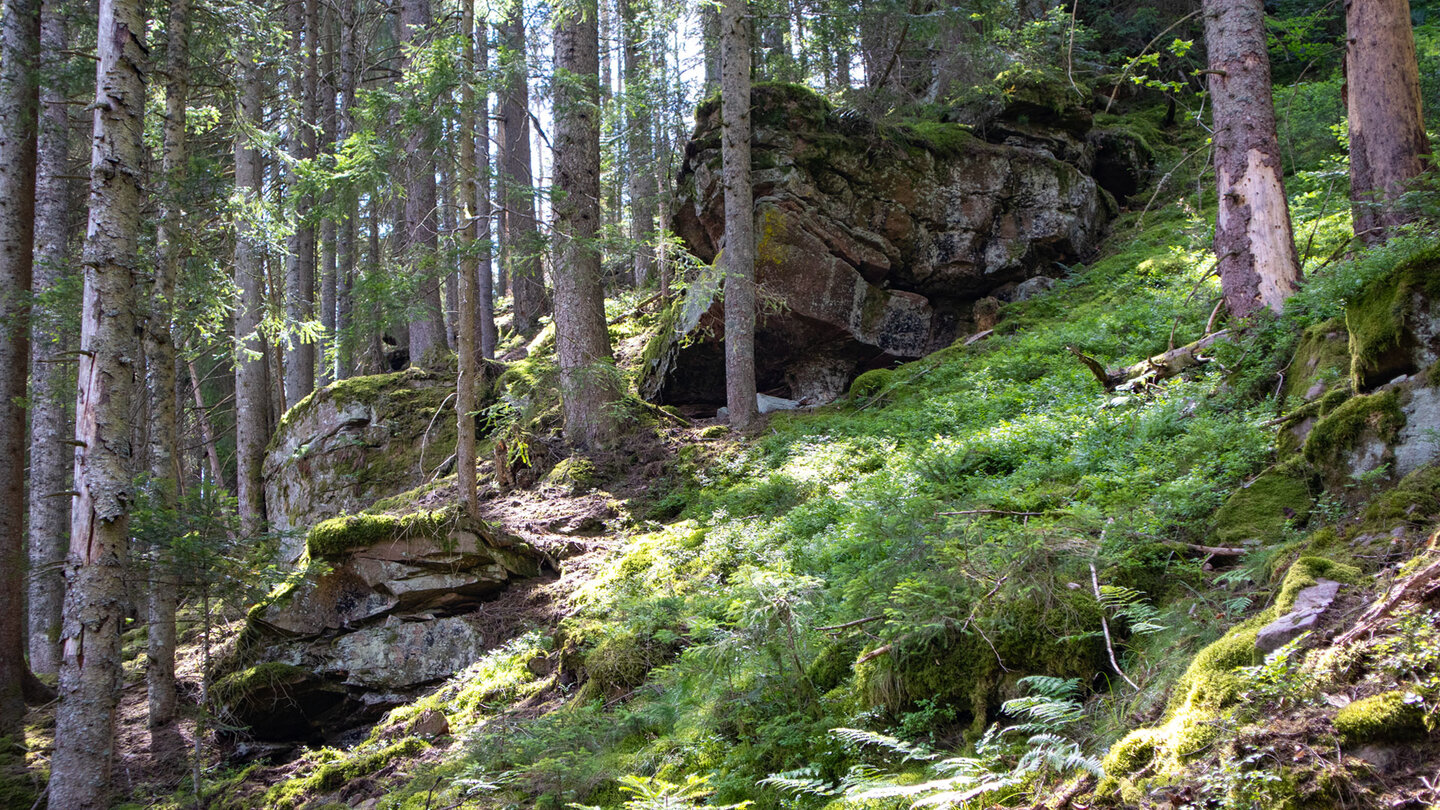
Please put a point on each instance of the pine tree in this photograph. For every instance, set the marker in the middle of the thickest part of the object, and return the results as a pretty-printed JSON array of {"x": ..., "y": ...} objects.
[
  {"x": 85, "y": 720},
  {"x": 522, "y": 239},
  {"x": 738, "y": 256},
  {"x": 1254, "y": 243}
]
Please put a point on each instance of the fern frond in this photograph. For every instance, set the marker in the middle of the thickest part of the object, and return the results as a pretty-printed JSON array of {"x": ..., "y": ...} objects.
[
  {"x": 801, "y": 782},
  {"x": 895, "y": 745}
]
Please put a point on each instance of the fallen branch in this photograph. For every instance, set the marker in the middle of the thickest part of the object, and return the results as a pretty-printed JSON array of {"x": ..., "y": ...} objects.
[
  {"x": 1418, "y": 587},
  {"x": 873, "y": 654},
  {"x": 834, "y": 627},
  {"x": 978, "y": 336},
  {"x": 639, "y": 308},
  {"x": 1152, "y": 369},
  {"x": 992, "y": 512},
  {"x": 1215, "y": 551},
  {"x": 664, "y": 414},
  {"x": 1105, "y": 627}
]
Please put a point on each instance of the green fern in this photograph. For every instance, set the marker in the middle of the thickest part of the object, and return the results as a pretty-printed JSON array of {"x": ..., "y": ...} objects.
[{"x": 1130, "y": 605}]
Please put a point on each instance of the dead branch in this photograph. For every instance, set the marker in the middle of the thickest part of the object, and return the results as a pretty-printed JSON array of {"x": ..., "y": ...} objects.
[
  {"x": 1105, "y": 627},
  {"x": 835, "y": 627},
  {"x": 1417, "y": 587},
  {"x": 1152, "y": 369},
  {"x": 873, "y": 654},
  {"x": 993, "y": 512}
]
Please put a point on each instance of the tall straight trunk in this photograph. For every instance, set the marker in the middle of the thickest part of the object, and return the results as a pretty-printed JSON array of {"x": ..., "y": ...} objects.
[
  {"x": 19, "y": 102},
  {"x": 467, "y": 291},
  {"x": 738, "y": 257},
  {"x": 51, "y": 380},
  {"x": 251, "y": 395},
  {"x": 1388, "y": 144},
  {"x": 448, "y": 265},
  {"x": 610, "y": 208},
  {"x": 710, "y": 47},
  {"x": 160, "y": 363},
  {"x": 91, "y": 669},
  {"x": 1254, "y": 243},
  {"x": 299, "y": 362},
  {"x": 639, "y": 143},
  {"x": 427, "y": 327},
  {"x": 522, "y": 238},
  {"x": 485, "y": 290},
  {"x": 329, "y": 285},
  {"x": 347, "y": 246},
  {"x": 588, "y": 382}
]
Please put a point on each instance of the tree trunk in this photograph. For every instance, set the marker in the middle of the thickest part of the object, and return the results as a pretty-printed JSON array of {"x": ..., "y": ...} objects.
[
  {"x": 251, "y": 396},
  {"x": 738, "y": 256},
  {"x": 1388, "y": 144},
  {"x": 522, "y": 239},
  {"x": 485, "y": 290},
  {"x": 348, "y": 238},
  {"x": 427, "y": 328},
  {"x": 19, "y": 102},
  {"x": 639, "y": 145},
  {"x": 329, "y": 284},
  {"x": 1254, "y": 244},
  {"x": 710, "y": 45},
  {"x": 588, "y": 381},
  {"x": 160, "y": 362},
  {"x": 95, "y": 570},
  {"x": 52, "y": 386},
  {"x": 467, "y": 291},
  {"x": 299, "y": 354}
]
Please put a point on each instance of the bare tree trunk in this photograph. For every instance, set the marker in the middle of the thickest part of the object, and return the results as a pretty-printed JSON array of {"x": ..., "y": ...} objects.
[
  {"x": 164, "y": 423},
  {"x": 348, "y": 237},
  {"x": 91, "y": 669},
  {"x": 639, "y": 144},
  {"x": 329, "y": 284},
  {"x": 710, "y": 44},
  {"x": 1254, "y": 244},
  {"x": 51, "y": 380},
  {"x": 738, "y": 256},
  {"x": 427, "y": 329},
  {"x": 1388, "y": 144},
  {"x": 251, "y": 396},
  {"x": 588, "y": 381},
  {"x": 467, "y": 292},
  {"x": 207, "y": 428},
  {"x": 300, "y": 264},
  {"x": 522, "y": 239},
  {"x": 19, "y": 102},
  {"x": 485, "y": 291}
]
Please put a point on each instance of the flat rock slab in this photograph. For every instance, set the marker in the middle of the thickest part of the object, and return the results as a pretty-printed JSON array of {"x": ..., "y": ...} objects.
[{"x": 1310, "y": 604}]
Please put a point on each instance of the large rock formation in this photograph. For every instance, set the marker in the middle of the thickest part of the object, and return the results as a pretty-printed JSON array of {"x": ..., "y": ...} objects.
[
  {"x": 354, "y": 442},
  {"x": 871, "y": 240},
  {"x": 383, "y": 606}
]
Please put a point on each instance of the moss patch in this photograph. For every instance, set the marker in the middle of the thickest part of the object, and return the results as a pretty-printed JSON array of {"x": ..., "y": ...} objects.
[
  {"x": 1376, "y": 415},
  {"x": 1380, "y": 319},
  {"x": 1307, "y": 571},
  {"x": 1414, "y": 499},
  {"x": 1321, "y": 363},
  {"x": 339, "y": 769},
  {"x": 1260, "y": 511},
  {"x": 871, "y": 385},
  {"x": 335, "y": 537},
  {"x": 1383, "y": 718}
]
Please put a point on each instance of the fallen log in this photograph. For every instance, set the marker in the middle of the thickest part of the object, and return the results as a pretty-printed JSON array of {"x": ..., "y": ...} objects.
[{"x": 1152, "y": 369}]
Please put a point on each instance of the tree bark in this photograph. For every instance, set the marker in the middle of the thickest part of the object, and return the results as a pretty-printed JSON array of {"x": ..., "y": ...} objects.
[
  {"x": 299, "y": 365},
  {"x": 522, "y": 238},
  {"x": 467, "y": 292},
  {"x": 329, "y": 283},
  {"x": 348, "y": 237},
  {"x": 1254, "y": 243},
  {"x": 1388, "y": 144},
  {"x": 52, "y": 384},
  {"x": 588, "y": 381},
  {"x": 95, "y": 569},
  {"x": 639, "y": 145},
  {"x": 427, "y": 328},
  {"x": 710, "y": 47},
  {"x": 19, "y": 102},
  {"x": 738, "y": 257},
  {"x": 160, "y": 362},
  {"x": 251, "y": 396},
  {"x": 485, "y": 290}
]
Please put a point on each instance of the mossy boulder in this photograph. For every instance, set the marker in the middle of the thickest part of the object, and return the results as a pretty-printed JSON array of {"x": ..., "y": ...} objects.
[
  {"x": 354, "y": 442},
  {"x": 1355, "y": 438},
  {"x": 1320, "y": 364},
  {"x": 1394, "y": 716},
  {"x": 1260, "y": 511},
  {"x": 1394, "y": 324},
  {"x": 870, "y": 237}
]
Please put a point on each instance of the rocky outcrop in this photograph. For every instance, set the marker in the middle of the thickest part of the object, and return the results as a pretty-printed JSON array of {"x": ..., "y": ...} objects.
[
  {"x": 354, "y": 442},
  {"x": 384, "y": 606},
  {"x": 871, "y": 240}
]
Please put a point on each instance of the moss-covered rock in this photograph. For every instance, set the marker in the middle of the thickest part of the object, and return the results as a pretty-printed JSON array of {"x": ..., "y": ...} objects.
[
  {"x": 336, "y": 537},
  {"x": 1262, "y": 509},
  {"x": 1394, "y": 716},
  {"x": 1393, "y": 324},
  {"x": 575, "y": 473},
  {"x": 1355, "y": 438},
  {"x": 1320, "y": 364},
  {"x": 871, "y": 385}
]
